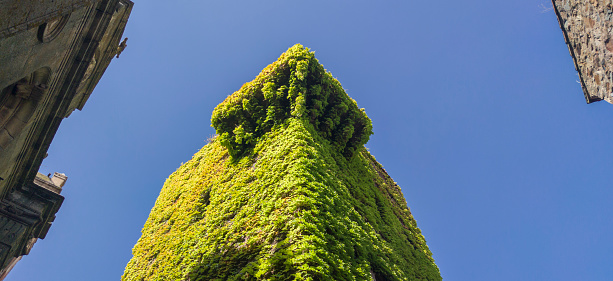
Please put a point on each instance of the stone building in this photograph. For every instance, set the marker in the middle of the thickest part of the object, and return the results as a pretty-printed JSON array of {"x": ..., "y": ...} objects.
[
  {"x": 52, "y": 55},
  {"x": 588, "y": 31},
  {"x": 26, "y": 216}
]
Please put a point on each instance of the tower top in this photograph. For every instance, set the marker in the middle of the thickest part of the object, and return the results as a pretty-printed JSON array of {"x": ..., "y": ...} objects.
[{"x": 295, "y": 86}]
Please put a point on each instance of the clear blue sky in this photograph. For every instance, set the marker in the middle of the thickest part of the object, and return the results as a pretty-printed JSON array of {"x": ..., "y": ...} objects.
[{"x": 476, "y": 109}]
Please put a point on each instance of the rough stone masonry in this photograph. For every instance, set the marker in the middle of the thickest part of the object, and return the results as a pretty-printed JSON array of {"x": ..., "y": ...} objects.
[{"x": 588, "y": 31}]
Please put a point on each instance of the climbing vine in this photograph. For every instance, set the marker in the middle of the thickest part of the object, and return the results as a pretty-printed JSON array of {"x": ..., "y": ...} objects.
[
  {"x": 286, "y": 191},
  {"x": 296, "y": 86}
]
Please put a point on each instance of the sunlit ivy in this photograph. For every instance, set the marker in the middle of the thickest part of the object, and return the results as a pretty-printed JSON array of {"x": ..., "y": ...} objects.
[
  {"x": 295, "y": 86},
  {"x": 286, "y": 191}
]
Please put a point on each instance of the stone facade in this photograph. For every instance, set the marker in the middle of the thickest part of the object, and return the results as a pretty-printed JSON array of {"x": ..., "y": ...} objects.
[
  {"x": 26, "y": 215},
  {"x": 588, "y": 31},
  {"x": 52, "y": 55}
]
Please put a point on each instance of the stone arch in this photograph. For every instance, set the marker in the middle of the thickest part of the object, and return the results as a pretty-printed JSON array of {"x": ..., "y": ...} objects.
[
  {"x": 18, "y": 102},
  {"x": 51, "y": 29}
]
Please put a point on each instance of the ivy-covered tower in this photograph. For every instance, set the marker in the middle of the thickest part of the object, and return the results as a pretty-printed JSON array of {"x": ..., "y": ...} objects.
[{"x": 286, "y": 191}]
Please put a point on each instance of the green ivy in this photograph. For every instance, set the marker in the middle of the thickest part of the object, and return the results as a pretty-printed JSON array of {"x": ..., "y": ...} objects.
[
  {"x": 279, "y": 199},
  {"x": 297, "y": 86}
]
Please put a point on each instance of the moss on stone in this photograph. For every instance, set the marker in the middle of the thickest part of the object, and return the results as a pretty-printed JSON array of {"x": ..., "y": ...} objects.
[{"x": 287, "y": 191}]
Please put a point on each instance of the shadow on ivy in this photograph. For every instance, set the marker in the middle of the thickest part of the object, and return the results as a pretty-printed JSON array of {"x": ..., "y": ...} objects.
[{"x": 231, "y": 263}]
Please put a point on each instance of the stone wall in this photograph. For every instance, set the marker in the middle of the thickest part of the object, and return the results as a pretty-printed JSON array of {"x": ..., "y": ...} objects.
[
  {"x": 20, "y": 15},
  {"x": 588, "y": 31},
  {"x": 72, "y": 51},
  {"x": 52, "y": 55}
]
